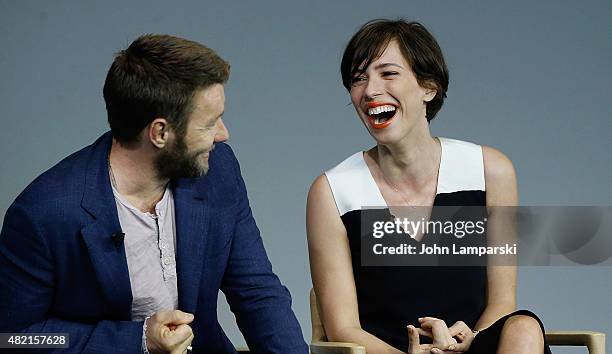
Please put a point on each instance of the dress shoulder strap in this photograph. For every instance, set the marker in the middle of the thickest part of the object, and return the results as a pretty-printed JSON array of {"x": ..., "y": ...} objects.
[
  {"x": 461, "y": 167},
  {"x": 352, "y": 185}
]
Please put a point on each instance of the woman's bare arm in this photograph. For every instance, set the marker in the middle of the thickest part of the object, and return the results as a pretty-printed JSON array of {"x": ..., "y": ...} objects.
[
  {"x": 332, "y": 271},
  {"x": 501, "y": 187}
]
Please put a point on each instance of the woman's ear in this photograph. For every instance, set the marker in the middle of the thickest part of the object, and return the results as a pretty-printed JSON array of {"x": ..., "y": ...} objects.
[
  {"x": 429, "y": 95},
  {"x": 430, "y": 91}
]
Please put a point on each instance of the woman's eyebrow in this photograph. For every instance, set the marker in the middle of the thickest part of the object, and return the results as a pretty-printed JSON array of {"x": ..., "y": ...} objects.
[{"x": 384, "y": 65}]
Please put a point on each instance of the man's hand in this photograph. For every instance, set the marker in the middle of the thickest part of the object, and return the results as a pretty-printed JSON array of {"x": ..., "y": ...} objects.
[{"x": 169, "y": 332}]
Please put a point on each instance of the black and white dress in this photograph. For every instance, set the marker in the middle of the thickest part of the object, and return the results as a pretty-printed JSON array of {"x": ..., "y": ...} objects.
[{"x": 390, "y": 298}]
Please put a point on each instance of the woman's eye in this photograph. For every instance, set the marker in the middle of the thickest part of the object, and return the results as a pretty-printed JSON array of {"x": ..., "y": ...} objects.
[
  {"x": 358, "y": 79},
  {"x": 389, "y": 73}
]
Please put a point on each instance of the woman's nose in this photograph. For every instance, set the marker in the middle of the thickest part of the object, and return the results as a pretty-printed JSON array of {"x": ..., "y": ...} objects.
[{"x": 373, "y": 88}]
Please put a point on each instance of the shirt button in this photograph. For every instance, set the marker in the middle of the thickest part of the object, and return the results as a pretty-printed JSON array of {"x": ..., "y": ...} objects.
[{"x": 167, "y": 261}]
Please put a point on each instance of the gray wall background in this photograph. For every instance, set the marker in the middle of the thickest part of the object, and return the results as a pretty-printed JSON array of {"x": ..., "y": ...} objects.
[{"x": 530, "y": 78}]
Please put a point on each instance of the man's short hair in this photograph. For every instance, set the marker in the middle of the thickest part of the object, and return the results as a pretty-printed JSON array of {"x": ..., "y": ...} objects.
[
  {"x": 417, "y": 46},
  {"x": 156, "y": 77}
]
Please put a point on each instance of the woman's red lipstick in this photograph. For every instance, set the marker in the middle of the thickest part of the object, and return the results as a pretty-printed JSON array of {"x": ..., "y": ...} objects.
[{"x": 372, "y": 119}]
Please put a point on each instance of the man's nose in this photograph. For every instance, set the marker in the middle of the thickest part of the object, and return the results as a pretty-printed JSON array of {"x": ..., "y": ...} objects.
[{"x": 222, "y": 132}]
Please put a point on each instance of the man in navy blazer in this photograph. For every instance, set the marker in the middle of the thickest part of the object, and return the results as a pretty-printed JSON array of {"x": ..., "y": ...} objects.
[{"x": 65, "y": 263}]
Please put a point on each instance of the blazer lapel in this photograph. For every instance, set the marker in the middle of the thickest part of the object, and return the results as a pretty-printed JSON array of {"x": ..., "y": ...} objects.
[
  {"x": 192, "y": 222},
  {"x": 107, "y": 254}
]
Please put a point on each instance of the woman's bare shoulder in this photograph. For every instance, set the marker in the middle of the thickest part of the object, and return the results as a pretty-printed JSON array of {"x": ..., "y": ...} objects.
[{"x": 500, "y": 177}]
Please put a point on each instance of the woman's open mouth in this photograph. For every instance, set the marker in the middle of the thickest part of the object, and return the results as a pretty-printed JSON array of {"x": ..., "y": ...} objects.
[{"x": 380, "y": 115}]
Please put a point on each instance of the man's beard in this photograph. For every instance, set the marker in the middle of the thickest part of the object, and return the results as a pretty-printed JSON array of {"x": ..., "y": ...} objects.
[{"x": 176, "y": 162}]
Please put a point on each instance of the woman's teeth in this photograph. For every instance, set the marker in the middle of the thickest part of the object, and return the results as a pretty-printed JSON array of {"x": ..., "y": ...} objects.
[
  {"x": 381, "y": 109},
  {"x": 381, "y": 114}
]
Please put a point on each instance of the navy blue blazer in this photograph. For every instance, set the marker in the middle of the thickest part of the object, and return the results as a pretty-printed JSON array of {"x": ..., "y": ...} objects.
[{"x": 60, "y": 270}]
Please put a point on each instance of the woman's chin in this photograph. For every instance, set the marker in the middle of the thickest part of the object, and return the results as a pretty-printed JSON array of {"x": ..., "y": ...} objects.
[{"x": 387, "y": 137}]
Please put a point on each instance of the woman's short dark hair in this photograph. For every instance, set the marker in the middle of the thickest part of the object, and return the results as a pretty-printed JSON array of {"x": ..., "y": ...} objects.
[
  {"x": 157, "y": 77},
  {"x": 417, "y": 45}
]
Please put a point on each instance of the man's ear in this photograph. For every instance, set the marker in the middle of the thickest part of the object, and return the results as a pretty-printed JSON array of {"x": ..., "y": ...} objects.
[{"x": 159, "y": 132}]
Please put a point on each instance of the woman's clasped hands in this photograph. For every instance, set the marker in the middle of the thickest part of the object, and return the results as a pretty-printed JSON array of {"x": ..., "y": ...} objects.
[{"x": 456, "y": 339}]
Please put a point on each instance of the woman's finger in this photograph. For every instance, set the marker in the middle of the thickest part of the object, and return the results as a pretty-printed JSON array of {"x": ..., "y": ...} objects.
[
  {"x": 413, "y": 340},
  {"x": 424, "y": 332},
  {"x": 427, "y": 318},
  {"x": 464, "y": 334},
  {"x": 459, "y": 327},
  {"x": 428, "y": 322},
  {"x": 461, "y": 347},
  {"x": 441, "y": 336},
  {"x": 439, "y": 351}
]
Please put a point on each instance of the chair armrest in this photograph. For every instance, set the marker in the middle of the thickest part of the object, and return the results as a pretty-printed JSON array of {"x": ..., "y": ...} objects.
[
  {"x": 336, "y": 348},
  {"x": 594, "y": 341}
]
